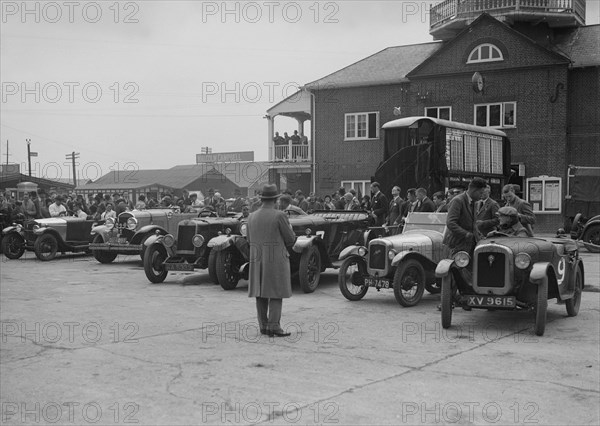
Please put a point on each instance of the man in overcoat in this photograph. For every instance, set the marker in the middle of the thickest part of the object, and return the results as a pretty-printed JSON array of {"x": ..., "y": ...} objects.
[
  {"x": 379, "y": 204},
  {"x": 270, "y": 235},
  {"x": 461, "y": 233}
]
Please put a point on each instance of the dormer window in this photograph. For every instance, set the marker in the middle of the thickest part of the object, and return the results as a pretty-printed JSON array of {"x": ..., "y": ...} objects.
[{"x": 485, "y": 53}]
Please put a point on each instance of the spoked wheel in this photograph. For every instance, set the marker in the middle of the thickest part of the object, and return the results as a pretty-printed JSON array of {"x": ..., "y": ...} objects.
[
  {"x": 212, "y": 267},
  {"x": 351, "y": 278},
  {"x": 154, "y": 259},
  {"x": 573, "y": 303},
  {"x": 448, "y": 291},
  {"x": 103, "y": 256},
  {"x": 409, "y": 282},
  {"x": 591, "y": 239},
  {"x": 45, "y": 247},
  {"x": 541, "y": 307},
  {"x": 13, "y": 246},
  {"x": 309, "y": 271},
  {"x": 227, "y": 264}
]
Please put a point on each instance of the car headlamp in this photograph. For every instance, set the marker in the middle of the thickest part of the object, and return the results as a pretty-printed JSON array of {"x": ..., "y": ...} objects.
[
  {"x": 110, "y": 223},
  {"x": 462, "y": 259},
  {"x": 391, "y": 254},
  {"x": 197, "y": 240},
  {"x": 522, "y": 260},
  {"x": 308, "y": 231},
  {"x": 36, "y": 226},
  {"x": 362, "y": 251},
  {"x": 169, "y": 240},
  {"x": 132, "y": 223},
  {"x": 244, "y": 229}
]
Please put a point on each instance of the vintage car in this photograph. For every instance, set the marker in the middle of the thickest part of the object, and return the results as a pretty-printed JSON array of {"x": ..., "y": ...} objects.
[
  {"x": 513, "y": 273},
  {"x": 126, "y": 234},
  {"x": 322, "y": 235},
  {"x": 7, "y": 221},
  {"x": 185, "y": 248},
  {"x": 405, "y": 262},
  {"x": 587, "y": 231},
  {"x": 48, "y": 236}
]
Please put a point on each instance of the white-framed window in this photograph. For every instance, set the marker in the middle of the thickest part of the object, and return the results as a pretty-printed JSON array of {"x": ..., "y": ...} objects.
[
  {"x": 502, "y": 114},
  {"x": 443, "y": 112},
  {"x": 544, "y": 193},
  {"x": 362, "y": 187},
  {"x": 361, "y": 125},
  {"x": 485, "y": 52}
]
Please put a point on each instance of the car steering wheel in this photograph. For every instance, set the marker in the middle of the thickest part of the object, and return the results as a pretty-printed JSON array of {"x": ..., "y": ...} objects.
[
  {"x": 207, "y": 213},
  {"x": 497, "y": 234}
]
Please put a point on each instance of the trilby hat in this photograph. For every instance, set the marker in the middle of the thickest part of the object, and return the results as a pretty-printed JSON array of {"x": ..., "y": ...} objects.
[{"x": 269, "y": 192}]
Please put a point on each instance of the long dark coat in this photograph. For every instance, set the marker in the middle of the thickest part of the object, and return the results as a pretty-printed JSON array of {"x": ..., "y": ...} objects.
[
  {"x": 460, "y": 224},
  {"x": 270, "y": 234}
]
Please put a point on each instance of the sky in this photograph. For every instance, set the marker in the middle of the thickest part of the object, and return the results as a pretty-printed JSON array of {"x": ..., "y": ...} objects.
[{"x": 146, "y": 84}]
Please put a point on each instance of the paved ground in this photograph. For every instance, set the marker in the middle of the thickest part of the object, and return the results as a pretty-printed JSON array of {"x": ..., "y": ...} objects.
[{"x": 85, "y": 343}]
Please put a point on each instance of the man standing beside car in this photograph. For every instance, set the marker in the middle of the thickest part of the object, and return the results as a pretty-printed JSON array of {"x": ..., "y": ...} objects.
[
  {"x": 379, "y": 204},
  {"x": 461, "y": 233},
  {"x": 269, "y": 236},
  {"x": 485, "y": 212}
]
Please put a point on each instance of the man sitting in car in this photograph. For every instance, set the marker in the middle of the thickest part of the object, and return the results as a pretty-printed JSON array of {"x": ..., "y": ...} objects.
[{"x": 509, "y": 223}]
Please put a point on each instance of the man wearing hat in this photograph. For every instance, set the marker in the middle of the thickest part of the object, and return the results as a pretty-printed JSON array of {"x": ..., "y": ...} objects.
[
  {"x": 509, "y": 223},
  {"x": 270, "y": 235}
]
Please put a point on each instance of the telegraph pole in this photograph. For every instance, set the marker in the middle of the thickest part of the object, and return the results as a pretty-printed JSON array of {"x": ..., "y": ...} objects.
[{"x": 72, "y": 157}]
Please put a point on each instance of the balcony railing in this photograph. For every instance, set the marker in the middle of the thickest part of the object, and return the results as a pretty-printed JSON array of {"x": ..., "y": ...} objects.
[
  {"x": 292, "y": 152},
  {"x": 451, "y": 9}
]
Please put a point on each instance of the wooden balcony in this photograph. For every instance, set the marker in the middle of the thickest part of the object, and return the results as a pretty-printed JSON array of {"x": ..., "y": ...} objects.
[
  {"x": 291, "y": 152},
  {"x": 451, "y": 16}
]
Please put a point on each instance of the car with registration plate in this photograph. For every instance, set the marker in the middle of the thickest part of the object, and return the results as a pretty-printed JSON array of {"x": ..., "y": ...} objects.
[
  {"x": 127, "y": 233},
  {"x": 47, "y": 237},
  {"x": 403, "y": 262},
  {"x": 321, "y": 237},
  {"x": 513, "y": 273}
]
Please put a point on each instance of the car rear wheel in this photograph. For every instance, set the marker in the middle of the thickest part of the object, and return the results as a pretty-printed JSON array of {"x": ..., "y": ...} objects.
[
  {"x": 409, "y": 282},
  {"x": 227, "y": 268},
  {"x": 448, "y": 290},
  {"x": 591, "y": 239},
  {"x": 13, "y": 246},
  {"x": 154, "y": 259},
  {"x": 103, "y": 256},
  {"x": 309, "y": 270},
  {"x": 541, "y": 307},
  {"x": 573, "y": 303},
  {"x": 212, "y": 267},
  {"x": 45, "y": 247},
  {"x": 351, "y": 278}
]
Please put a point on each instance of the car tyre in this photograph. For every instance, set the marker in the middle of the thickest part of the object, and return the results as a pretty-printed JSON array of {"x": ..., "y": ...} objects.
[
  {"x": 227, "y": 273},
  {"x": 45, "y": 247},
  {"x": 309, "y": 269},
  {"x": 103, "y": 256},
  {"x": 212, "y": 267},
  {"x": 154, "y": 257},
  {"x": 143, "y": 249},
  {"x": 409, "y": 276},
  {"x": 13, "y": 246},
  {"x": 448, "y": 291},
  {"x": 541, "y": 307},
  {"x": 353, "y": 285},
  {"x": 573, "y": 303},
  {"x": 591, "y": 239}
]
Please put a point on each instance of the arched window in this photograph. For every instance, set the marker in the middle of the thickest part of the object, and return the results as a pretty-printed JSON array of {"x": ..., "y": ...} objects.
[{"x": 485, "y": 53}]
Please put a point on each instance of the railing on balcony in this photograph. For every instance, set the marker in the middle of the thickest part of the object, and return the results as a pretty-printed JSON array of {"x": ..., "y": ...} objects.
[
  {"x": 292, "y": 152},
  {"x": 450, "y": 9}
]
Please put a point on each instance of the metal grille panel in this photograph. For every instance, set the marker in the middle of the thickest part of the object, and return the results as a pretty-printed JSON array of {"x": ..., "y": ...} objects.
[{"x": 491, "y": 269}]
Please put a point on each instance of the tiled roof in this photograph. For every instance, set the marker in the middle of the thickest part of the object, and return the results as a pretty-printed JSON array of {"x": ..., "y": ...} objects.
[
  {"x": 581, "y": 45},
  {"x": 389, "y": 66}
]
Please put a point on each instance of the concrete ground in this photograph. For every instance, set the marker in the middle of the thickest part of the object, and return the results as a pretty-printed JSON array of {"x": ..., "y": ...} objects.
[{"x": 85, "y": 343}]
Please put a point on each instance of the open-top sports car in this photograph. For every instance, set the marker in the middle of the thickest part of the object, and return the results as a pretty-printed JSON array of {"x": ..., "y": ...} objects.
[
  {"x": 48, "y": 236},
  {"x": 185, "y": 248},
  {"x": 322, "y": 235},
  {"x": 126, "y": 234},
  {"x": 513, "y": 273},
  {"x": 405, "y": 262}
]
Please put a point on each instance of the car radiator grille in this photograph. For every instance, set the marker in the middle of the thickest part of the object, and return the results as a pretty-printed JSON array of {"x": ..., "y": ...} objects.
[
  {"x": 490, "y": 269},
  {"x": 184, "y": 237},
  {"x": 377, "y": 256}
]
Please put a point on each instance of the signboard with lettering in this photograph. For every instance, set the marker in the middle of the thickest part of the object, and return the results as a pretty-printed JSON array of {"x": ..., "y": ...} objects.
[
  {"x": 225, "y": 157},
  {"x": 544, "y": 194}
]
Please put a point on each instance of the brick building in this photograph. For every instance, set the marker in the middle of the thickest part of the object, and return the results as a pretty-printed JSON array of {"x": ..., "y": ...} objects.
[{"x": 539, "y": 82}]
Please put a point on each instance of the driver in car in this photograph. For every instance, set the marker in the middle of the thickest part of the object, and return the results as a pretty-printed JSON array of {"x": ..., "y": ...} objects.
[{"x": 509, "y": 223}]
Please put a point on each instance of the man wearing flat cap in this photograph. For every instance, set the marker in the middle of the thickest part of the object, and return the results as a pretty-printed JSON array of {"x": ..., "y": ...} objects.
[
  {"x": 509, "y": 223},
  {"x": 270, "y": 235}
]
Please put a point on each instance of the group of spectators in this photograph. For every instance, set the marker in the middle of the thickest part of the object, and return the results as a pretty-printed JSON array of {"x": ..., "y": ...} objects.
[{"x": 296, "y": 138}]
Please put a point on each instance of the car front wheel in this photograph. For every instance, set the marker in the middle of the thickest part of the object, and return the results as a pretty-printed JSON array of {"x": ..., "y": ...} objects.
[
  {"x": 13, "y": 246},
  {"x": 591, "y": 239},
  {"x": 45, "y": 247},
  {"x": 409, "y": 282},
  {"x": 573, "y": 303},
  {"x": 351, "y": 278},
  {"x": 212, "y": 267},
  {"x": 448, "y": 291},
  {"x": 103, "y": 256},
  {"x": 309, "y": 270},
  {"x": 541, "y": 307},
  {"x": 154, "y": 259},
  {"x": 227, "y": 269}
]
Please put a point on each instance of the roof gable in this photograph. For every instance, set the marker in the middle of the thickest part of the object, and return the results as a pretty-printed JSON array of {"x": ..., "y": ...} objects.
[
  {"x": 517, "y": 49},
  {"x": 581, "y": 45}
]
